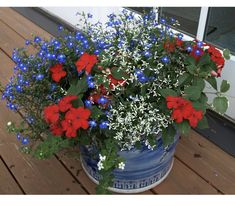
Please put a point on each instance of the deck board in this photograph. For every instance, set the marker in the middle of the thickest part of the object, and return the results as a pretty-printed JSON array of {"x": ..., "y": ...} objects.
[{"x": 200, "y": 167}]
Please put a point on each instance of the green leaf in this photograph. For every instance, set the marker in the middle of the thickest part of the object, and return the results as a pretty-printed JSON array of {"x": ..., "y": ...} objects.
[
  {"x": 191, "y": 69},
  {"x": 190, "y": 60},
  {"x": 167, "y": 92},
  {"x": 119, "y": 74},
  {"x": 50, "y": 146},
  {"x": 226, "y": 54},
  {"x": 193, "y": 92},
  {"x": 212, "y": 81},
  {"x": 203, "y": 123},
  {"x": 199, "y": 106},
  {"x": 168, "y": 135},
  {"x": 184, "y": 127},
  {"x": 220, "y": 104},
  {"x": 224, "y": 87},
  {"x": 95, "y": 112},
  {"x": 204, "y": 60},
  {"x": 183, "y": 78},
  {"x": 82, "y": 85},
  {"x": 72, "y": 90},
  {"x": 199, "y": 82},
  {"x": 77, "y": 103}
]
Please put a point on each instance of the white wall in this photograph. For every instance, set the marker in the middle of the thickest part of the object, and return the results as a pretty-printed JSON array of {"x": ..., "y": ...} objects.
[{"x": 68, "y": 14}]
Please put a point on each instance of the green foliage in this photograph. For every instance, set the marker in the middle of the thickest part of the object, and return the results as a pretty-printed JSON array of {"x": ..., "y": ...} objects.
[
  {"x": 118, "y": 73},
  {"x": 212, "y": 81},
  {"x": 168, "y": 135},
  {"x": 224, "y": 87},
  {"x": 184, "y": 127},
  {"x": 226, "y": 54},
  {"x": 203, "y": 123},
  {"x": 79, "y": 86},
  {"x": 220, "y": 104},
  {"x": 193, "y": 92},
  {"x": 184, "y": 78},
  {"x": 167, "y": 92},
  {"x": 50, "y": 146}
]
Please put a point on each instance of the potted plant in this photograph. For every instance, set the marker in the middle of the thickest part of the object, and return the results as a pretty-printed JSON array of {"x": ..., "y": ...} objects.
[{"x": 122, "y": 92}]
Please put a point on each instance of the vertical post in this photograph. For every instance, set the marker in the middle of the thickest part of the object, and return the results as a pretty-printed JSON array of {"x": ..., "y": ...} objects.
[{"x": 202, "y": 23}]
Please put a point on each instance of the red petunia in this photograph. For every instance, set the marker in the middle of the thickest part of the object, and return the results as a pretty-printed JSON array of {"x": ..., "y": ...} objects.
[
  {"x": 86, "y": 61},
  {"x": 57, "y": 72},
  {"x": 75, "y": 118},
  {"x": 51, "y": 114},
  {"x": 56, "y": 129},
  {"x": 65, "y": 103},
  {"x": 114, "y": 82}
]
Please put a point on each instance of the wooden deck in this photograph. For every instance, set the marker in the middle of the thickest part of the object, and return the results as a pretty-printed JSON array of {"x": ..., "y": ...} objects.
[{"x": 200, "y": 167}]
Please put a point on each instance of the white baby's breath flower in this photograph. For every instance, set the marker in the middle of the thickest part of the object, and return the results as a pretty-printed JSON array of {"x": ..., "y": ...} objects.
[
  {"x": 121, "y": 165},
  {"x": 9, "y": 124}
]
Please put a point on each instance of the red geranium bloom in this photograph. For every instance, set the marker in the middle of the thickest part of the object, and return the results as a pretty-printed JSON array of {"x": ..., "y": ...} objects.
[
  {"x": 51, "y": 114},
  {"x": 115, "y": 82},
  {"x": 179, "y": 42},
  {"x": 195, "y": 117},
  {"x": 65, "y": 103},
  {"x": 86, "y": 61},
  {"x": 57, "y": 72},
  {"x": 75, "y": 118},
  {"x": 169, "y": 46},
  {"x": 56, "y": 129},
  {"x": 174, "y": 102}
]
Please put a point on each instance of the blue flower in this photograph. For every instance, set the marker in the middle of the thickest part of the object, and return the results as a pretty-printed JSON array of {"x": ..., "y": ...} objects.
[
  {"x": 143, "y": 79},
  {"x": 88, "y": 103},
  {"x": 102, "y": 100},
  {"x": 89, "y": 15},
  {"x": 200, "y": 44},
  {"x": 61, "y": 58},
  {"x": 25, "y": 140},
  {"x": 165, "y": 59},
  {"x": 18, "y": 136},
  {"x": 147, "y": 54},
  {"x": 60, "y": 28},
  {"x": 19, "y": 88},
  {"x": 189, "y": 48},
  {"x": 40, "y": 77},
  {"x": 138, "y": 73},
  {"x": 163, "y": 21},
  {"x": 27, "y": 42},
  {"x": 197, "y": 52},
  {"x": 91, "y": 85},
  {"x": 37, "y": 39},
  {"x": 180, "y": 36},
  {"x": 104, "y": 124},
  {"x": 92, "y": 123}
]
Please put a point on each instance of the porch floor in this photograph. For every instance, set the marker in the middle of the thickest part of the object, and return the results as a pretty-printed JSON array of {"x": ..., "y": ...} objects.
[{"x": 200, "y": 167}]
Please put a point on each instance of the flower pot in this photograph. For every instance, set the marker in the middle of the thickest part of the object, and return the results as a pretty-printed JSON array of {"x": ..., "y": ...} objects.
[{"x": 144, "y": 168}]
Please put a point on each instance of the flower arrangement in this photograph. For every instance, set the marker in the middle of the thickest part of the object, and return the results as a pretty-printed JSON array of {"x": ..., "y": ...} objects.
[{"x": 114, "y": 86}]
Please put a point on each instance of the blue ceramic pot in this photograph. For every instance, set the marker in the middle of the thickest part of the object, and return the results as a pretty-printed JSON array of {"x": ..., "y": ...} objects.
[{"x": 144, "y": 168}]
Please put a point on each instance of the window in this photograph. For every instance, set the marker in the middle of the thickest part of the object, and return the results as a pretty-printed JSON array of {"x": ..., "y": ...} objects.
[
  {"x": 140, "y": 9},
  {"x": 220, "y": 30},
  {"x": 188, "y": 18}
]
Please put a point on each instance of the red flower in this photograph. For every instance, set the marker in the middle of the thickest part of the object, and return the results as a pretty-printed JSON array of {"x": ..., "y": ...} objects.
[
  {"x": 115, "y": 82},
  {"x": 169, "y": 46},
  {"x": 56, "y": 129},
  {"x": 75, "y": 118},
  {"x": 195, "y": 117},
  {"x": 179, "y": 42},
  {"x": 57, "y": 72},
  {"x": 51, "y": 114},
  {"x": 94, "y": 97},
  {"x": 183, "y": 109},
  {"x": 65, "y": 103},
  {"x": 86, "y": 61}
]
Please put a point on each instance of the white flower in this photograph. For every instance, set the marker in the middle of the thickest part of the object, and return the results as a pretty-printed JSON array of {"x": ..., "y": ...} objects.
[
  {"x": 102, "y": 158},
  {"x": 121, "y": 165},
  {"x": 100, "y": 165},
  {"x": 9, "y": 124}
]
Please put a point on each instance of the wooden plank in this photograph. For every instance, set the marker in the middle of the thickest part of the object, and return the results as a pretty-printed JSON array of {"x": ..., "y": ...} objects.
[
  {"x": 21, "y": 25},
  {"x": 10, "y": 40},
  {"x": 8, "y": 184},
  {"x": 182, "y": 180},
  {"x": 209, "y": 161}
]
